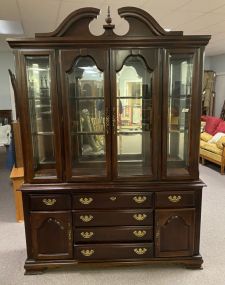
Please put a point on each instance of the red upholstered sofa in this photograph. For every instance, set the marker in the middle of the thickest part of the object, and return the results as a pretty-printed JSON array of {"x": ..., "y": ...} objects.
[{"x": 212, "y": 141}]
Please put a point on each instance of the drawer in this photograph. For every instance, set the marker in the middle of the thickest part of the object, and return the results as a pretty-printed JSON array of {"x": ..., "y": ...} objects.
[
  {"x": 175, "y": 199},
  {"x": 50, "y": 202},
  {"x": 113, "y": 234},
  {"x": 112, "y": 200},
  {"x": 113, "y": 218},
  {"x": 113, "y": 251}
]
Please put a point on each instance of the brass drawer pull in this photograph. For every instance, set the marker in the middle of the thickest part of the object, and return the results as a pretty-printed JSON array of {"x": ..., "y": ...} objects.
[
  {"x": 139, "y": 217},
  {"x": 140, "y": 251},
  {"x": 112, "y": 198},
  {"x": 87, "y": 235},
  {"x": 86, "y": 201},
  {"x": 49, "y": 202},
  {"x": 174, "y": 199},
  {"x": 87, "y": 252},
  {"x": 86, "y": 218},
  {"x": 139, "y": 233},
  {"x": 139, "y": 199}
]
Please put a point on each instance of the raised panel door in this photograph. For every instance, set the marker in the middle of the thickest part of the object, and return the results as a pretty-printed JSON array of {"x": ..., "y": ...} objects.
[
  {"x": 174, "y": 233},
  {"x": 51, "y": 234}
]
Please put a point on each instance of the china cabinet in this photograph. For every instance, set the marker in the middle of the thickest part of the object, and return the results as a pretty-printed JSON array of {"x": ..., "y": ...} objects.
[{"x": 110, "y": 133}]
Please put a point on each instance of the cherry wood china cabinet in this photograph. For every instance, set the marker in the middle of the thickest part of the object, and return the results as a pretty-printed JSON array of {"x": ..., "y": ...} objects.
[{"x": 110, "y": 130}]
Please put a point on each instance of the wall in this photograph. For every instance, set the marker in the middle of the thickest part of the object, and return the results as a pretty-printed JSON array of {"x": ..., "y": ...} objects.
[
  {"x": 207, "y": 63},
  {"x": 6, "y": 62},
  {"x": 217, "y": 64}
]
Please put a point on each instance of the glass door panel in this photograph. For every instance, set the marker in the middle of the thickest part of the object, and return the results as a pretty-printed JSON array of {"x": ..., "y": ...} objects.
[
  {"x": 134, "y": 118},
  {"x": 87, "y": 118},
  {"x": 179, "y": 112},
  {"x": 40, "y": 110}
]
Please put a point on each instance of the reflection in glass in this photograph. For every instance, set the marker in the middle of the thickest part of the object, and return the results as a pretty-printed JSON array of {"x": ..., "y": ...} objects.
[
  {"x": 179, "y": 108},
  {"x": 134, "y": 118},
  {"x": 87, "y": 118},
  {"x": 40, "y": 110}
]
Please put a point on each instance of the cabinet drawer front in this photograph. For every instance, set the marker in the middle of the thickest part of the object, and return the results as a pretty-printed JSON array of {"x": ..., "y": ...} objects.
[
  {"x": 113, "y": 234},
  {"x": 112, "y": 200},
  {"x": 113, "y": 251},
  {"x": 50, "y": 202},
  {"x": 113, "y": 218},
  {"x": 175, "y": 199}
]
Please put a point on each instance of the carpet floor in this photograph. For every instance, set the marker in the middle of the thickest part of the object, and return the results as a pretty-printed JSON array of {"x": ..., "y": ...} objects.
[{"x": 13, "y": 252}]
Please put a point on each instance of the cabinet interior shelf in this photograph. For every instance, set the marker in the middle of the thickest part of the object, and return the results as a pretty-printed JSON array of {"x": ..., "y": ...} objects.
[
  {"x": 87, "y": 98},
  {"x": 39, "y": 97},
  {"x": 44, "y": 133},
  {"x": 88, "y": 133}
]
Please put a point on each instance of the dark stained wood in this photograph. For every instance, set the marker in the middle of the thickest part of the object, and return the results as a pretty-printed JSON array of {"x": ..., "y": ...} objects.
[
  {"x": 113, "y": 200},
  {"x": 17, "y": 143},
  {"x": 26, "y": 124},
  {"x": 39, "y": 267},
  {"x": 75, "y": 24},
  {"x": 15, "y": 90},
  {"x": 169, "y": 229},
  {"x": 49, "y": 202},
  {"x": 151, "y": 59},
  {"x": 113, "y": 218},
  {"x": 113, "y": 251},
  {"x": 51, "y": 235},
  {"x": 143, "y": 24},
  {"x": 174, "y": 235},
  {"x": 68, "y": 58},
  {"x": 113, "y": 234},
  {"x": 175, "y": 199}
]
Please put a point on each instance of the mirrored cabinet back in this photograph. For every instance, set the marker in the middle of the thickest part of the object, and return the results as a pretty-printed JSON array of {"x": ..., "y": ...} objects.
[{"x": 110, "y": 131}]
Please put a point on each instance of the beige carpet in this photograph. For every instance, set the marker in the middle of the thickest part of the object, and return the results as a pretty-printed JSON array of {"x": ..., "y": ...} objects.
[{"x": 12, "y": 248}]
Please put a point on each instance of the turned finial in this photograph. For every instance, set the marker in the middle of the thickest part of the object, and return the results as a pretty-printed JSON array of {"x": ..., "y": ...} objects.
[{"x": 108, "y": 19}]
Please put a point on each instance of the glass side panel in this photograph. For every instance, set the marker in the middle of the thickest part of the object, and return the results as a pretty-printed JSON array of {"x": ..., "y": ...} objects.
[
  {"x": 134, "y": 118},
  {"x": 179, "y": 110},
  {"x": 40, "y": 111},
  {"x": 87, "y": 118}
]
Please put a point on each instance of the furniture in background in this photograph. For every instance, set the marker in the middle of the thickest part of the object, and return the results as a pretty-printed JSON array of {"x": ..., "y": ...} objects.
[
  {"x": 5, "y": 117},
  {"x": 17, "y": 177},
  {"x": 5, "y": 135},
  {"x": 208, "y": 95},
  {"x": 120, "y": 184},
  {"x": 5, "y": 127},
  {"x": 212, "y": 141}
]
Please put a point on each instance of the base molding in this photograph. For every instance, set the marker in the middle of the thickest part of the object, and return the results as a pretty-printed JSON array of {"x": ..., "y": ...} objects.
[{"x": 33, "y": 267}]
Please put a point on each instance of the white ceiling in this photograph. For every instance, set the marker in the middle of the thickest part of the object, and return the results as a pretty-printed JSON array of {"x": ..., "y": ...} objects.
[{"x": 191, "y": 16}]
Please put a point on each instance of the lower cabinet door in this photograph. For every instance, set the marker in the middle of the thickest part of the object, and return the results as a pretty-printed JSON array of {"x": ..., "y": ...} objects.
[
  {"x": 174, "y": 234},
  {"x": 51, "y": 234}
]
